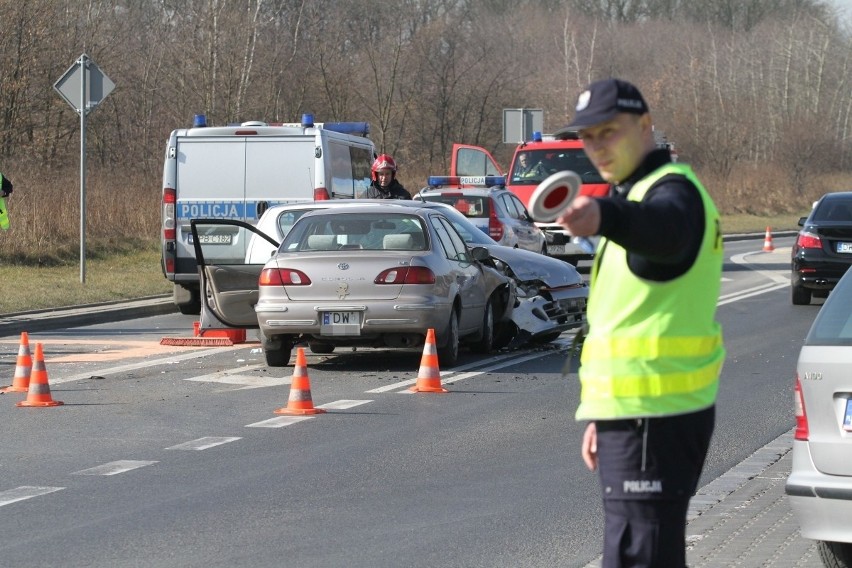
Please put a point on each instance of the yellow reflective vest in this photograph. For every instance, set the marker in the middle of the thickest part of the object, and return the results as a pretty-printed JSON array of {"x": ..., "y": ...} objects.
[{"x": 653, "y": 348}]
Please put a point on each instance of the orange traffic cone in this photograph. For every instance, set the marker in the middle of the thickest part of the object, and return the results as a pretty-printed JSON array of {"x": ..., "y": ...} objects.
[
  {"x": 300, "y": 401},
  {"x": 39, "y": 390},
  {"x": 23, "y": 368},
  {"x": 767, "y": 243},
  {"x": 429, "y": 376}
]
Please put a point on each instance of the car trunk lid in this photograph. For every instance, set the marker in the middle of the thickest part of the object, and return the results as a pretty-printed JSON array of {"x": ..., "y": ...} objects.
[
  {"x": 827, "y": 388},
  {"x": 347, "y": 276}
]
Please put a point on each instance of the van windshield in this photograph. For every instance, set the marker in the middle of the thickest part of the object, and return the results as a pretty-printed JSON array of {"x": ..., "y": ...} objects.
[{"x": 541, "y": 163}]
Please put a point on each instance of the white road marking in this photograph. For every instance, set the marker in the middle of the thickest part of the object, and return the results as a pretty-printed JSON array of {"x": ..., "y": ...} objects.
[
  {"x": 233, "y": 377},
  {"x": 204, "y": 443},
  {"x": 24, "y": 492},
  {"x": 114, "y": 468},
  {"x": 454, "y": 376},
  {"x": 279, "y": 422},
  {"x": 343, "y": 404},
  {"x": 197, "y": 354}
]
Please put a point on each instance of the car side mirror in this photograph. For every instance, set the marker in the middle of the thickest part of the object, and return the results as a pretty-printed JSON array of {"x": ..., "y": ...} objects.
[
  {"x": 480, "y": 254},
  {"x": 802, "y": 221}
]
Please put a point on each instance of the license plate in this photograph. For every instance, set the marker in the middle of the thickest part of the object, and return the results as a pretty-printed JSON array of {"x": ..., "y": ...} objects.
[
  {"x": 214, "y": 239},
  {"x": 340, "y": 323},
  {"x": 555, "y": 249},
  {"x": 847, "y": 418},
  {"x": 211, "y": 239},
  {"x": 844, "y": 247}
]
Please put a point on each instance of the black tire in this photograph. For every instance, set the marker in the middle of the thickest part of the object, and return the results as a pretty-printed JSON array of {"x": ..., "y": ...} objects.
[
  {"x": 448, "y": 345},
  {"x": 277, "y": 349},
  {"x": 485, "y": 344},
  {"x": 801, "y": 296},
  {"x": 504, "y": 333},
  {"x": 835, "y": 554},
  {"x": 321, "y": 348}
]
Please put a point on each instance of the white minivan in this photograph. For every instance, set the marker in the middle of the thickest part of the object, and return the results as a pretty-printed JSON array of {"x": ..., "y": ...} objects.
[{"x": 239, "y": 171}]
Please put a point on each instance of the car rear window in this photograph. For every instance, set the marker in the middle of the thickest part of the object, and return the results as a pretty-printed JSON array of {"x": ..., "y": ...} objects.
[
  {"x": 833, "y": 210},
  {"x": 467, "y": 205},
  {"x": 833, "y": 324},
  {"x": 336, "y": 231}
]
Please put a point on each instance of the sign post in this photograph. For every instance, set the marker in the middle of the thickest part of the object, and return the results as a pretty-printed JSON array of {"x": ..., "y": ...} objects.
[{"x": 83, "y": 86}]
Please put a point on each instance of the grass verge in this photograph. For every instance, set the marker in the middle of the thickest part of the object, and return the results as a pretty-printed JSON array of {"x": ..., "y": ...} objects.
[{"x": 120, "y": 277}]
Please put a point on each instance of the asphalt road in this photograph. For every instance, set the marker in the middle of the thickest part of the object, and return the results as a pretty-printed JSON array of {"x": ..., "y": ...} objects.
[{"x": 173, "y": 456}]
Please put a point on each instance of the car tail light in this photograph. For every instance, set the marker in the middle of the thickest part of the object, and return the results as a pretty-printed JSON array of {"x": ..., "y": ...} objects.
[
  {"x": 283, "y": 277},
  {"x": 406, "y": 275},
  {"x": 801, "y": 432},
  {"x": 321, "y": 194},
  {"x": 808, "y": 241},
  {"x": 169, "y": 222},
  {"x": 495, "y": 227}
]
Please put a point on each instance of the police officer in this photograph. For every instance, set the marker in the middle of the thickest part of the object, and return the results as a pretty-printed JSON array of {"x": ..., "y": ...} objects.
[
  {"x": 5, "y": 186},
  {"x": 651, "y": 359},
  {"x": 5, "y": 189},
  {"x": 385, "y": 184}
]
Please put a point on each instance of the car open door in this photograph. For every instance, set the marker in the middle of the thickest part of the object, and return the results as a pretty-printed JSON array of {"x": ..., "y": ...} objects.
[
  {"x": 473, "y": 161},
  {"x": 229, "y": 288}
]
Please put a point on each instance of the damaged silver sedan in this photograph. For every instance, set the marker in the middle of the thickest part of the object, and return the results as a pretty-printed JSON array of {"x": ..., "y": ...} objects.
[{"x": 550, "y": 294}]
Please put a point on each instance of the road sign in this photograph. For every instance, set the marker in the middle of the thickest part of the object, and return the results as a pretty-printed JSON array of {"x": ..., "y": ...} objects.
[
  {"x": 520, "y": 123},
  {"x": 97, "y": 85},
  {"x": 83, "y": 87}
]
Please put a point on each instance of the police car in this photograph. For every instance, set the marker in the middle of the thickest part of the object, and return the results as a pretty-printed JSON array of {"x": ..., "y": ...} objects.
[{"x": 486, "y": 202}]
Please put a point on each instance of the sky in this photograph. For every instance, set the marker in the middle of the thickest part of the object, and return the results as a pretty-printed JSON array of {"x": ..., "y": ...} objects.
[{"x": 845, "y": 6}]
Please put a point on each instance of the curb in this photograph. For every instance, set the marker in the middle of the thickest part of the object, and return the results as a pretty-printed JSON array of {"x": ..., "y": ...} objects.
[{"x": 73, "y": 316}]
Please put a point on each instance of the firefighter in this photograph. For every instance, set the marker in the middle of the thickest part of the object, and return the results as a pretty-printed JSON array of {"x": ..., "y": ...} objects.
[
  {"x": 526, "y": 170},
  {"x": 653, "y": 352},
  {"x": 385, "y": 185}
]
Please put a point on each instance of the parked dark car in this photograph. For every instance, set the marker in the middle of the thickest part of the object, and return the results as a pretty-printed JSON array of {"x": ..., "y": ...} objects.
[{"x": 823, "y": 249}]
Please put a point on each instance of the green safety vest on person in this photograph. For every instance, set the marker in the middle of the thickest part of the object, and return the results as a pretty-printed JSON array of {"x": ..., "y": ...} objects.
[
  {"x": 4, "y": 213},
  {"x": 653, "y": 348}
]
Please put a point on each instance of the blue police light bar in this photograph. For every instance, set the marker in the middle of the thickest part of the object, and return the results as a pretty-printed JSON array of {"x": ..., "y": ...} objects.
[
  {"x": 487, "y": 181},
  {"x": 536, "y": 136},
  {"x": 307, "y": 120},
  {"x": 356, "y": 128},
  {"x": 199, "y": 121}
]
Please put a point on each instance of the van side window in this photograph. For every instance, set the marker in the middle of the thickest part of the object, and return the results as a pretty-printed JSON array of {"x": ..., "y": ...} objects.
[
  {"x": 362, "y": 159},
  {"x": 342, "y": 184}
]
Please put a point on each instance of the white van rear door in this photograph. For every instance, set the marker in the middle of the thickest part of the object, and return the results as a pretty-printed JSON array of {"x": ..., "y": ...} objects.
[
  {"x": 278, "y": 170},
  {"x": 210, "y": 182}
]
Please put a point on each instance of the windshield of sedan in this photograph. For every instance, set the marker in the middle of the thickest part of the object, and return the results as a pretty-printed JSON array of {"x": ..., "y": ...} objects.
[
  {"x": 334, "y": 231},
  {"x": 467, "y": 205}
]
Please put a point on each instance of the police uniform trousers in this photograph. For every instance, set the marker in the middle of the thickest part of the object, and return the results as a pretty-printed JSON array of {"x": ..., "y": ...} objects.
[{"x": 649, "y": 470}]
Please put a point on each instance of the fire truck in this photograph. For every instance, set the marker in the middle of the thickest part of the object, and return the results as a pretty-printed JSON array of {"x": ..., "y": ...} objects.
[{"x": 544, "y": 155}]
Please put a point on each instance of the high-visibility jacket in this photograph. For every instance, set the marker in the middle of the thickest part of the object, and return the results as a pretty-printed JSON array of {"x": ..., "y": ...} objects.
[{"x": 653, "y": 348}]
